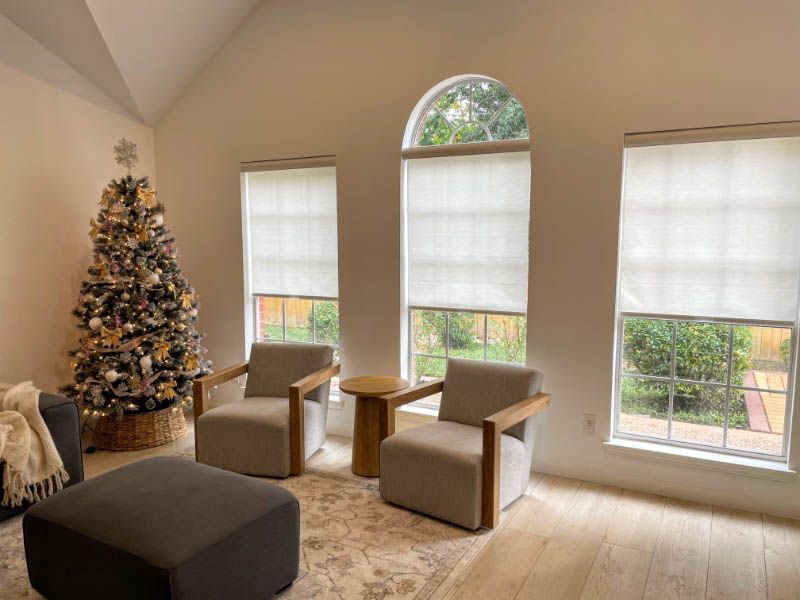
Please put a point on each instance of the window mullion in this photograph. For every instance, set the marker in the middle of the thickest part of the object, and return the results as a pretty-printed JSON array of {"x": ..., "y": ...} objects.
[
  {"x": 314, "y": 321},
  {"x": 447, "y": 335},
  {"x": 673, "y": 362},
  {"x": 284, "y": 319},
  {"x": 728, "y": 388},
  {"x": 485, "y": 336}
]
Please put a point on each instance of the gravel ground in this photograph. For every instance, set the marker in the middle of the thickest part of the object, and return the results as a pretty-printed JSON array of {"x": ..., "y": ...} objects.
[{"x": 704, "y": 434}]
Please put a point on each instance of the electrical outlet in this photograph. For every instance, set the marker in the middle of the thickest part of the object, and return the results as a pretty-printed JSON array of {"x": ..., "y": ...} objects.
[{"x": 589, "y": 423}]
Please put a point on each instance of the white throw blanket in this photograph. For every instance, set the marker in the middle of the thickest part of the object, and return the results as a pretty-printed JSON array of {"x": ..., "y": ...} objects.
[{"x": 32, "y": 468}]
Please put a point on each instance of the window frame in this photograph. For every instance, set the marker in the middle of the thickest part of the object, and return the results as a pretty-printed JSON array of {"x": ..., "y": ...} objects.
[
  {"x": 719, "y": 133},
  {"x": 672, "y": 379},
  {"x": 412, "y": 151}
]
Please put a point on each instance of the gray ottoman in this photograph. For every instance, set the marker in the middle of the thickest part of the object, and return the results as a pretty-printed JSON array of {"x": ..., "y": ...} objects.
[{"x": 164, "y": 528}]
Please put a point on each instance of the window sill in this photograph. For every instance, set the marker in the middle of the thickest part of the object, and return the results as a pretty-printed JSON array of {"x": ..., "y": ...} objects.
[{"x": 701, "y": 459}]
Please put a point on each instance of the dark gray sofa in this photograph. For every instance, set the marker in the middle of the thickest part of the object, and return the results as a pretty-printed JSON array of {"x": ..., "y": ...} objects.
[{"x": 63, "y": 420}]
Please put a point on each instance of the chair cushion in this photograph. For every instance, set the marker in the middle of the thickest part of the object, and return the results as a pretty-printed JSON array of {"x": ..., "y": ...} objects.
[
  {"x": 163, "y": 528},
  {"x": 437, "y": 469},
  {"x": 251, "y": 435},
  {"x": 474, "y": 390},
  {"x": 274, "y": 366}
]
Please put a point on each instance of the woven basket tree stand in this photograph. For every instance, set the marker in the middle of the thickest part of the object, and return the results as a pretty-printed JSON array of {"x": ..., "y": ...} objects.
[{"x": 139, "y": 431}]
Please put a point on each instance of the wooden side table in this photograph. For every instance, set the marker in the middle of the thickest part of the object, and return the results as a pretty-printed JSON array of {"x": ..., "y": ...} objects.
[{"x": 366, "y": 431}]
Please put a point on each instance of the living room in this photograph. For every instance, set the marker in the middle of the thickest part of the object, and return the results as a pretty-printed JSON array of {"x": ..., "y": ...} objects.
[{"x": 361, "y": 299}]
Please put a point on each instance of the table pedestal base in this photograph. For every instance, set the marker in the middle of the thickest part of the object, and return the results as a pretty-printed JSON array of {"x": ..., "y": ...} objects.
[{"x": 366, "y": 438}]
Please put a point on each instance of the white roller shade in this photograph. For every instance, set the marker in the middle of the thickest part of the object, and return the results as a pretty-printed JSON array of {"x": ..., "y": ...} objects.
[
  {"x": 291, "y": 228},
  {"x": 468, "y": 232},
  {"x": 712, "y": 229}
]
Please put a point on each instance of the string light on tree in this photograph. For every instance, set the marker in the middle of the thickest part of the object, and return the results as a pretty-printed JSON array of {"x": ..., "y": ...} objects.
[{"x": 139, "y": 348}]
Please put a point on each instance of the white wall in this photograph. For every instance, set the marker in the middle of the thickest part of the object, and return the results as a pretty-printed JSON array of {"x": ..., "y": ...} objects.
[
  {"x": 308, "y": 77},
  {"x": 57, "y": 132}
]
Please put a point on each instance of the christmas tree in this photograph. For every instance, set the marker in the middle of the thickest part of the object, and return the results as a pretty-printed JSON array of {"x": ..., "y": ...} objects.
[{"x": 139, "y": 348}]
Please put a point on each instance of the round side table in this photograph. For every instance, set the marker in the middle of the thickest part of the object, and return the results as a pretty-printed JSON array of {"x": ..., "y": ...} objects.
[{"x": 366, "y": 431}]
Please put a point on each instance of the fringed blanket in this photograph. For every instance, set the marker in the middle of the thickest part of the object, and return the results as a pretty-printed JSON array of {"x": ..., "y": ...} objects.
[{"x": 32, "y": 467}]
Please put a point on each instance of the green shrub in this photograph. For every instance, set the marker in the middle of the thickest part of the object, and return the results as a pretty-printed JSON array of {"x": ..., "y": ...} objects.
[
  {"x": 701, "y": 354},
  {"x": 432, "y": 327},
  {"x": 327, "y": 322},
  {"x": 786, "y": 352}
]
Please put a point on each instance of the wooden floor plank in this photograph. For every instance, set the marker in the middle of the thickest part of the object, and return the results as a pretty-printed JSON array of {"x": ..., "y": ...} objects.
[
  {"x": 782, "y": 553},
  {"x": 502, "y": 567},
  {"x": 618, "y": 573},
  {"x": 680, "y": 560},
  {"x": 736, "y": 561},
  {"x": 564, "y": 564},
  {"x": 636, "y": 521},
  {"x": 540, "y": 512}
]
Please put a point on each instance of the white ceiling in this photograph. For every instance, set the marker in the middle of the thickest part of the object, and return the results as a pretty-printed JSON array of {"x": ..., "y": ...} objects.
[{"x": 142, "y": 53}]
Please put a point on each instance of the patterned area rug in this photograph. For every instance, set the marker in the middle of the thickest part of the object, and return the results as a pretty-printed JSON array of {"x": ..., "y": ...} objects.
[{"x": 353, "y": 545}]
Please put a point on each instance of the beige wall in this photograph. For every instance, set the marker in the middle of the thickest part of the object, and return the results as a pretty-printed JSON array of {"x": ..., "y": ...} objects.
[
  {"x": 56, "y": 136},
  {"x": 313, "y": 77}
]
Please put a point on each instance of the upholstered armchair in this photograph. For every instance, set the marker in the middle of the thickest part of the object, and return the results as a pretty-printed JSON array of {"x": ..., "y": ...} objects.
[
  {"x": 476, "y": 458},
  {"x": 282, "y": 418}
]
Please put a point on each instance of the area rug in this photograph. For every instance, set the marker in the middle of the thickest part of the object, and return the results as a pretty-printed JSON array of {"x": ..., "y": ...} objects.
[{"x": 352, "y": 545}]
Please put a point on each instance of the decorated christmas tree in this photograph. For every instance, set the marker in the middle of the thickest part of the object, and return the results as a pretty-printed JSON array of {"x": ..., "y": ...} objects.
[{"x": 139, "y": 349}]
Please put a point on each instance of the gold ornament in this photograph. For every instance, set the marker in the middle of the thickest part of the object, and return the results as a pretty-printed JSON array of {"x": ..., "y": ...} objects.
[
  {"x": 146, "y": 195},
  {"x": 162, "y": 350},
  {"x": 102, "y": 269},
  {"x": 111, "y": 337},
  {"x": 95, "y": 229},
  {"x": 193, "y": 362},
  {"x": 107, "y": 198},
  {"x": 186, "y": 300},
  {"x": 141, "y": 233},
  {"x": 171, "y": 288},
  {"x": 167, "y": 390},
  {"x": 125, "y": 153}
]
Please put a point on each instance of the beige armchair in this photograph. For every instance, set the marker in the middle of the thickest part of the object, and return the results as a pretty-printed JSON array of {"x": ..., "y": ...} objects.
[
  {"x": 476, "y": 458},
  {"x": 281, "y": 420}
]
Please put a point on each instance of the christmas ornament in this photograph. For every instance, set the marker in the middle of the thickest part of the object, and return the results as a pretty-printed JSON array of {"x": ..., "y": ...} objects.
[
  {"x": 193, "y": 362},
  {"x": 153, "y": 279},
  {"x": 127, "y": 327},
  {"x": 95, "y": 323},
  {"x": 158, "y": 220},
  {"x": 162, "y": 350},
  {"x": 125, "y": 297},
  {"x": 186, "y": 300},
  {"x": 111, "y": 337},
  {"x": 111, "y": 376},
  {"x": 146, "y": 363}
]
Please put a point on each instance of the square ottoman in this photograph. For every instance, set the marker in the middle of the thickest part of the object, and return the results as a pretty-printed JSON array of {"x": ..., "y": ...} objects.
[{"x": 164, "y": 528}]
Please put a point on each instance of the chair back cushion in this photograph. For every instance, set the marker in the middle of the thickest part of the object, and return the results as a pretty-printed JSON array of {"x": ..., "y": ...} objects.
[
  {"x": 474, "y": 390},
  {"x": 274, "y": 366}
]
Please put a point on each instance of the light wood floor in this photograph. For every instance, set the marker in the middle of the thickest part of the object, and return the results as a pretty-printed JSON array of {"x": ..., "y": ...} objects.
[{"x": 570, "y": 539}]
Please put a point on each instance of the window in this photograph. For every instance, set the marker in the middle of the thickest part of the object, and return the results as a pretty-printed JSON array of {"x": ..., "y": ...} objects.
[
  {"x": 708, "y": 291},
  {"x": 291, "y": 256},
  {"x": 466, "y": 218}
]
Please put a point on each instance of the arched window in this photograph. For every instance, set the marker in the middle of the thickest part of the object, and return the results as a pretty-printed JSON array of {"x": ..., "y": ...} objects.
[
  {"x": 472, "y": 110},
  {"x": 466, "y": 175}
]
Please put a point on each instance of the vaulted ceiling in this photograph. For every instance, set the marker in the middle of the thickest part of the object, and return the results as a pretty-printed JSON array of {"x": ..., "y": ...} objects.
[{"x": 142, "y": 53}]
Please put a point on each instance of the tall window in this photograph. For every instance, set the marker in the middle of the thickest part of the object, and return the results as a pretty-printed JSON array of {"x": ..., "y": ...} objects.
[
  {"x": 467, "y": 204},
  {"x": 291, "y": 257},
  {"x": 708, "y": 291}
]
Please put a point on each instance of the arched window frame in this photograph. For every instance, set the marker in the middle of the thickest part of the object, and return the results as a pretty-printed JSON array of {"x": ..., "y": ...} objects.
[{"x": 411, "y": 150}]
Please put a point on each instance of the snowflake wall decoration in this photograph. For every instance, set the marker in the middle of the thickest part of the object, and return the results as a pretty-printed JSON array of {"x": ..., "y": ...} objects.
[{"x": 125, "y": 153}]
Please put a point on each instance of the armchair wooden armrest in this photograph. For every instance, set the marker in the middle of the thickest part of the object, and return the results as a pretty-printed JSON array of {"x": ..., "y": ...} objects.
[
  {"x": 493, "y": 427},
  {"x": 390, "y": 402},
  {"x": 201, "y": 386},
  {"x": 297, "y": 427}
]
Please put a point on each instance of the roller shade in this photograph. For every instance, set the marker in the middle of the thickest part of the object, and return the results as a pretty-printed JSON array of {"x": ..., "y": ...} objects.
[
  {"x": 291, "y": 230},
  {"x": 468, "y": 231},
  {"x": 712, "y": 229}
]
